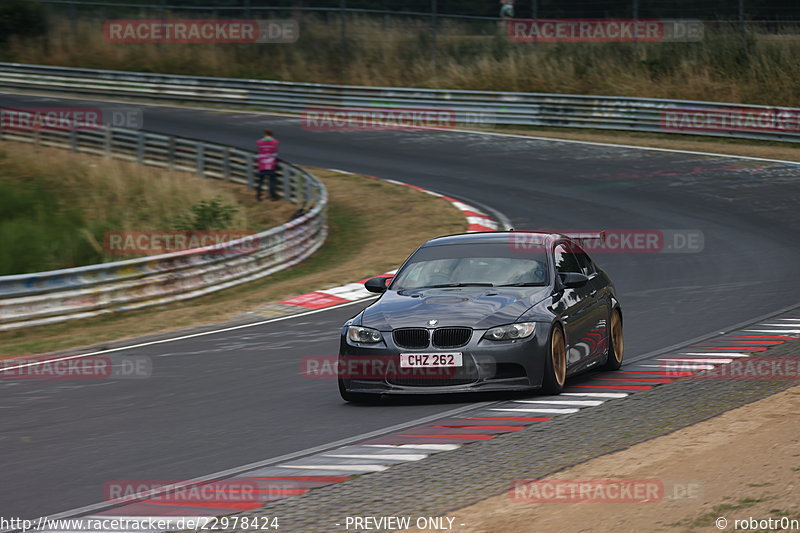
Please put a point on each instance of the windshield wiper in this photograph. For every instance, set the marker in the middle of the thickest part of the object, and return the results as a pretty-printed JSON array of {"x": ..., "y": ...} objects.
[
  {"x": 530, "y": 284},
  {"x": 443, "y": 285}
]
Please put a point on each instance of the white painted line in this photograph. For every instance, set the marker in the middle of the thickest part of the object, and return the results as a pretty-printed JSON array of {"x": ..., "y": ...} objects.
[
  {"x": 242, "y": 470},
  {"x": 351, "y": 291},
  {"x": 790, "y": 319},
  {"x": 535, "y": 410},
  {"x": 589, "y": 403},
  {"x": 182, "y": 337},
  {"x": 773, "y": 330},
  {"x": 597, "y": 394},
  {"x": 461, "y": 206},
  {"x": 719, "y": 361},
  {"x": 389, "y": 457},
  {"x": 482, "y": 221},
  {"x": 676, "y": 366},
  {"x": 354, "y": 295},
  {"x": 342, "y": 289},
  {"x": 777, "y": 325},
  {"x": 726, "y": 354},
  {"x": 346, "y": 468},
  {"x": 434, "y": 447}
]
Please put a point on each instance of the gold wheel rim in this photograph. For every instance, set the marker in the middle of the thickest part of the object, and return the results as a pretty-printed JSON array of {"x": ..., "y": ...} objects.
[
  {"x": 558, "y": 354},
  {"x": 616, "y": 337}
]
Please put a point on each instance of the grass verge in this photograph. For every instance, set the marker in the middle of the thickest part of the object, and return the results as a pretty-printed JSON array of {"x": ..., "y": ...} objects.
[
  {"x": 374, "y": 225},
  {"x": 56, "y": 206}
]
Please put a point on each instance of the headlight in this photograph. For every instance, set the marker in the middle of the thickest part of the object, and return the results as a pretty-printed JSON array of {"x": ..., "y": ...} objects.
[
  {"x": 361, "y": 334},
  {"x": 510, "y": 332}
]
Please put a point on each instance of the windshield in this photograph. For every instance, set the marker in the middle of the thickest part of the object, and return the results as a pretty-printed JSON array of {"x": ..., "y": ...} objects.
[{"x": 461, "y": 265}]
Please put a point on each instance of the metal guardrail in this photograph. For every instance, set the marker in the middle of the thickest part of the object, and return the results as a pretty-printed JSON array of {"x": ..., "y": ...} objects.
[
  {"x": 73, "y": 293},
  {"x": 466, "y": 107}
]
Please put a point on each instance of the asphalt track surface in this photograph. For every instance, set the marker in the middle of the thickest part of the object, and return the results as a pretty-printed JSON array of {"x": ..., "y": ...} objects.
[{"x": 223, "y": 400}]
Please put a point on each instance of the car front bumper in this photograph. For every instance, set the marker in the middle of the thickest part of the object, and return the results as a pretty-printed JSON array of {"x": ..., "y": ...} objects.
[{"x": 487, "y": 366}]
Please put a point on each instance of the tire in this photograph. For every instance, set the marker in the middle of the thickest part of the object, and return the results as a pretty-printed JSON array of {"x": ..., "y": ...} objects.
[
  {"x": 356, "y": 397},
  {"x": 616, "y": 349},
  {"x": 555, "y": 365}
]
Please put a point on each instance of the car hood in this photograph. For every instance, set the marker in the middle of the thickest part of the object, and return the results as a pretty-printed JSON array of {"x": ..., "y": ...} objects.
[{"x": 474, "y": 307}]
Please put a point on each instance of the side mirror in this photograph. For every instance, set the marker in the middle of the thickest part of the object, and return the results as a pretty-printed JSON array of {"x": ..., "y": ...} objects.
[
  {"x": 573, "y": 280},
  {"x": 377, "y": 285}
]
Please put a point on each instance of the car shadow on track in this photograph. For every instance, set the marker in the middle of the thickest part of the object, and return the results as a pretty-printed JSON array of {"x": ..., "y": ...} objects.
[
  {"x": 447, "y": 398},
  {"x": 468, "y": 397}
]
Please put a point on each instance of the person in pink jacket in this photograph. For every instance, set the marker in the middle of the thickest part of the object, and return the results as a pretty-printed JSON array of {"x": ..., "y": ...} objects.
[{"x": 267, "y": 164}]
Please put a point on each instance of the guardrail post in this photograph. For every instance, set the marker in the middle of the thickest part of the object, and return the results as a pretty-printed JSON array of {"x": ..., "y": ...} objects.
[
  {"x": 226, "y": 164},
  {"x": 343, "y": 32},
  {"x": 434, "y": 30},
  {"x": 287, "y": 186},
  {"x": 200, "y": 155},
  {"x": 250, "y": 163},
  {"x": 73, "y": 20},
  {"x": 140, "y": 148},
  {"x": 73, "y": 141},
  {"x": 171, "y": 152},
  {"x": 108, "y": 145},
  {"x": 742, "y": 40}
]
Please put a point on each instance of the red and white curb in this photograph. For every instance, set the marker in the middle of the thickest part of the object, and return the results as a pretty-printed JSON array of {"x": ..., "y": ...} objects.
[
  {"x": 298, "y": 476},
  {"x": 477, "y": 220}
]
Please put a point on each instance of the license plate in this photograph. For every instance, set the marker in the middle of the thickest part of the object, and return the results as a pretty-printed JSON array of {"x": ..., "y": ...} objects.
[{"x": 431, "y": 360}]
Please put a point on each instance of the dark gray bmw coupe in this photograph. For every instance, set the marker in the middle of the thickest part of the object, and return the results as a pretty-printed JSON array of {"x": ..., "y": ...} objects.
[{"x": 495, "y": 311}]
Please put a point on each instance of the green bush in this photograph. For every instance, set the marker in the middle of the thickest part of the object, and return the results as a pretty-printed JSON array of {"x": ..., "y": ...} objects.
[{"x": 207, "y": 215}]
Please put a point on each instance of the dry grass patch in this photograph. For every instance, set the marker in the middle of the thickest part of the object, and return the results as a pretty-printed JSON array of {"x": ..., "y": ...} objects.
[
  {"x": 392, "y": 52},
  {"x": 374, "y": 226}
]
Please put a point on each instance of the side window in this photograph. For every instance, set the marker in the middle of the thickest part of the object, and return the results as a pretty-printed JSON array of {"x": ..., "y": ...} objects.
[
  {"x": 565, "y": 260},
  {"x": 587, "y": 267}
]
